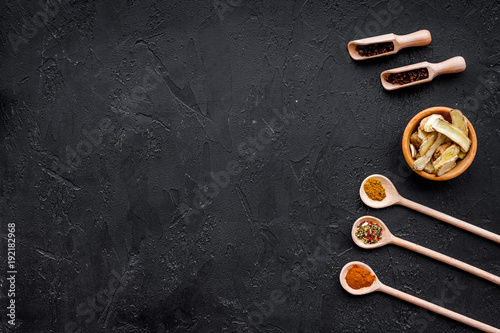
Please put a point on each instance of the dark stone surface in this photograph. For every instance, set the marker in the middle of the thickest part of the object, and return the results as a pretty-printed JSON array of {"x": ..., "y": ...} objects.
[{"x": 114, "y": 114}]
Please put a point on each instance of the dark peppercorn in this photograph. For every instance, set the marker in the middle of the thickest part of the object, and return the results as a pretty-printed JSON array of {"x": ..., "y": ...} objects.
[
  {"x": 374, "y": 49},
  {"x": 408, "y": 77}
]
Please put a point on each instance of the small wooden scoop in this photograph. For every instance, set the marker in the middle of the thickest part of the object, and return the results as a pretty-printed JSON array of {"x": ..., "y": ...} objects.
[
  {"x": 453, "y": 65},
  {"x": 419, "y": 38}
]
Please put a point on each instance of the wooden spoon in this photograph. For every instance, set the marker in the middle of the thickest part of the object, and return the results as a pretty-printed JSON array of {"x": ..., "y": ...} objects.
[
  {"x": 388, "y": 238},
  {"x": 453, "y": 65},
  {"x": 419, "y": 38},
  {"x": 394, "y": 198},
  {"x": 379, "y": 286}
]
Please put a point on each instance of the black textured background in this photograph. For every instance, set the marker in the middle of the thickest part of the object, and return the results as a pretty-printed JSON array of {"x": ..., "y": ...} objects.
[{"x": 114, "y": 114}]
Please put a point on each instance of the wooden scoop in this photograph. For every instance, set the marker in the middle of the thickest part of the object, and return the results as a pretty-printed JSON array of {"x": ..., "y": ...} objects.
[
  {"x": 419, "y": 38},
  {"x": 453, "y": 65},
  {"x": 394, "y": 198},
  {"x": 379, "y": 286},
  {"x": 386, "y": 237}
]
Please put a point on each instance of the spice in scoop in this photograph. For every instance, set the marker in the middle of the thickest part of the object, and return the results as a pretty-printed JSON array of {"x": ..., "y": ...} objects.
[
  {"x": 374, "y": 49},
  {"x": 374, "y": 189},
  {"x": 408, "y": 77},
  {"x": 369, "y": 232},
  {"x": 358, "y": 277}
]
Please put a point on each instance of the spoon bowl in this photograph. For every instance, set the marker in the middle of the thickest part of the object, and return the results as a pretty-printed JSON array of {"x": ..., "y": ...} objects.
[
  {"x": 392, "y": 195},
  {"x": 362, "y": 291},
  {"x": 418, "y": 38},
  {"x": 453, "y": 65},
  {"x": 385, "y": 237},
  {"x": 388, "y": 38}
]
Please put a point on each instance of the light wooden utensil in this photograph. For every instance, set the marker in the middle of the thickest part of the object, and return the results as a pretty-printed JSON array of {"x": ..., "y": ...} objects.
[
  {"x": 418, "y": 38},
  {"x": 453, "y": 65},
  {"x": 394, "y": 198},
  {"x": 379, "y": 286},
  {"x": 387, "y": 237}
]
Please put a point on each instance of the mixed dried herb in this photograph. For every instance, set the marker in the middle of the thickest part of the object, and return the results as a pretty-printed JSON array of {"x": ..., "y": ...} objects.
[
  {"x": 369, "y": 232},
  {"x": 374, "y": 49},
  {"x": 408, "y": 77}
]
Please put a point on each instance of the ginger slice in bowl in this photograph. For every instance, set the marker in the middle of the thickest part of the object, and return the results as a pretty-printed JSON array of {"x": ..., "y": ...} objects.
[
  {"x": 427, "y": 143},
  {"x": 421, "y": 162},
  {"x": 447, "y": 160},
  {"x": 452, "y": 132},
  {"x": 458, "y": 120}
]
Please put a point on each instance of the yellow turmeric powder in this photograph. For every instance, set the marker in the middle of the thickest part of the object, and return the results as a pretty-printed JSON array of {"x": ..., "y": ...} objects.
[{"x": 374, "y": 189}]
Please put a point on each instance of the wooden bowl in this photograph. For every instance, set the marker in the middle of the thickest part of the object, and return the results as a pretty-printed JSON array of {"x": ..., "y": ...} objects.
[{"x": 461, "y": 166}]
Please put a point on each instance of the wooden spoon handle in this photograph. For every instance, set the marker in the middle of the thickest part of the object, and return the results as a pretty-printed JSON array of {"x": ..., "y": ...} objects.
[
  {"x": 438, "y": 309},
  {"x": 447, "y": 260},
  {"x": 453, "y": 65},
  {"x": 418, "y": 38},
  {"x": 449, "y": 219}
]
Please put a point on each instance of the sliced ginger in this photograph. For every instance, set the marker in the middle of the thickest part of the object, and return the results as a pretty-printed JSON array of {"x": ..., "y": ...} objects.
[{"x": 440, "y": 143}]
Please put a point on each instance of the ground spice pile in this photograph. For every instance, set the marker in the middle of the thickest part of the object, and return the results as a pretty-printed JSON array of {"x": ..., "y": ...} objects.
[
  {"x": 408, "y": 77},
  {"x": 374, "y": 49},
  {"x": 374, "y": 189},
  {"x": 358, "y": 277}
]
